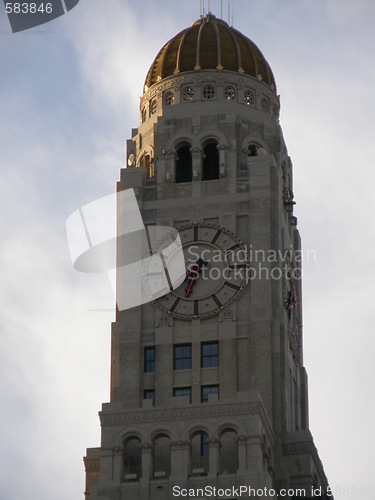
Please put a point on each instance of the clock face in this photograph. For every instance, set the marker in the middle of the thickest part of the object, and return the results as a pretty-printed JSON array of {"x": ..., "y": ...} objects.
[{"x": 216, "y": 265}]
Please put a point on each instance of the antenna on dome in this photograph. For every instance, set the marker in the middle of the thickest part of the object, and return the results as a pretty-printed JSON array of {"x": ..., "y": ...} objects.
[
  {"x": 232, "y": 12},
  {"x": 221, "y": 9}
]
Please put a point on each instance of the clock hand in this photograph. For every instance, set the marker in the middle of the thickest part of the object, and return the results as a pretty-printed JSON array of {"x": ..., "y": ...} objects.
[
  {"x": 194, "y": 270},
  {"x": 201, "y": 262}
]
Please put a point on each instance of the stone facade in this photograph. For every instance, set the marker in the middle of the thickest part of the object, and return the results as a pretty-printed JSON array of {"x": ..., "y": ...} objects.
[{"x": 160, "y": 429}]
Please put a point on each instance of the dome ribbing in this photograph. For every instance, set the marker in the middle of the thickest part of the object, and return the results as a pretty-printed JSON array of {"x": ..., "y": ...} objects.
[{"x": 209, "y": 43}]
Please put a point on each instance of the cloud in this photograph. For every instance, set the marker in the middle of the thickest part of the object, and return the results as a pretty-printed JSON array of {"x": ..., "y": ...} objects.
[{"x": 114, "y": 69}]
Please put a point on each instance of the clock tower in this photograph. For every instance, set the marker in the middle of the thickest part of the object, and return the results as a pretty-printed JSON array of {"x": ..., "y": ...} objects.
[{"x": 208, "y": 387}]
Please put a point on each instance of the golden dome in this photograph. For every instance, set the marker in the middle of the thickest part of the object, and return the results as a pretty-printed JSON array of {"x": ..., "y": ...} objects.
[{"x": 209, "y": 43}]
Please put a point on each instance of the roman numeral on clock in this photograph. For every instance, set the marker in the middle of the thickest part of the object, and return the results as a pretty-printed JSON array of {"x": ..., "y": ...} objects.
[
  {"x": 233, "y": 287},
  {"x": 216, "y": 300},
  {"x": 234, "y": 247},
  {"x": 196, "y": 308},
  {"x": 175, "y": 304},
  {"x": 216, "y": 237}
]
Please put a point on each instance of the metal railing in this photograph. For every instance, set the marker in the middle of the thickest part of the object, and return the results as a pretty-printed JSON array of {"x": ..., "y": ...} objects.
[
  {"x": 228, "y": 465},
  {"x": 199, "y": 466},
  {"x": 162, "y": 469},
  {"x": 132, "y": 472}
]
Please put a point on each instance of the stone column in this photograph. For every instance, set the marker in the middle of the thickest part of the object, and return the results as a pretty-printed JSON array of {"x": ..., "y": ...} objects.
[
  {"x": 106, "y": 465},
  {"x": 180, "y": 452},
  {"x": 118, "y": 458},
  {"x": 196, "y": 154},
  {"x": 167, "y": 165},
  {"x": 214, "y": 457},
  {"x": 222, "y": 166},
  {"x": 241, "y": 443},
  {"x": 146, "y": 453}
]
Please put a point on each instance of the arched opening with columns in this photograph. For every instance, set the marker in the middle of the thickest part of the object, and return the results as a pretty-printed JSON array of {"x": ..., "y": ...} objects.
[
  {"x": 132, "y": 459},
  {"x": 228, "y": 451},
  {"x": 199, "y": 453},
  {"x": 184, "y": 163},
  {"x": 211, "y": 164},
  {"x": 161, "y": 457},
  {"x": 147, "y": 161}
]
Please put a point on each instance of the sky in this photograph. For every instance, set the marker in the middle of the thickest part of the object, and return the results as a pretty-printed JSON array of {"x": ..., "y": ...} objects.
[{"x": 69, "y": 98}]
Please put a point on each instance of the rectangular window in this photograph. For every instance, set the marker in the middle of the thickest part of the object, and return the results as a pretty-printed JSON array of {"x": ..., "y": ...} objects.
[
  {"x": 182, "y": 391},
  {"x": 208, "y": 389},
  {"x": 182, "y": 357},
  {"x": 209, "y": 354},
  {"x": 149, "y": 361},
  {"x": 149, "y": 394}
]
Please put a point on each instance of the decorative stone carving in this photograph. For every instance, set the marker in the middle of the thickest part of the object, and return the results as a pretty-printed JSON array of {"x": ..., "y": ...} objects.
[
  {"x": 240, "y": 408},
  {"x": 180, "y": 444},
  {"x": 293, "y": 220},
  {"x": 299, "y": 448},
  {"x": 146, "y": 446},
  {"x": 175, "y": 81},
  {"x": 213, "y": 441},
  {"x": 295, "y": 342},
  {"x": 164, "y": 320},
  {"x": 227, "y": 315},
  {"x": 92, "y": 464},
  {"x": 117, "y": 449},
  {"x": 168, "y": 152}
]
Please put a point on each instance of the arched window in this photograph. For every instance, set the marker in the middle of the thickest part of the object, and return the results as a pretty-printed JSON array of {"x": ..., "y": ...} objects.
[
  {"x": 146, "y": 161},
  {"x": 249, "y": 97},
  {"x": 199, "y": 453},
  {"x": 210, "y": 161},
  {"x": 184, "y": 164},
  {"x": 132, "y": 459},
  {"x": 229, "y": 452},
  {"x": 230, "y": 93},
  {"x": 161, "y": 457},
  {"x": 264, "y": 104},
  {"x": 169, "y": 98},
  {"x": 255, "y": 150},
  {"x": 252, "y": 150},
  {"x": 153, "y": 107},
  {"x": 188, "y": 93}
]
